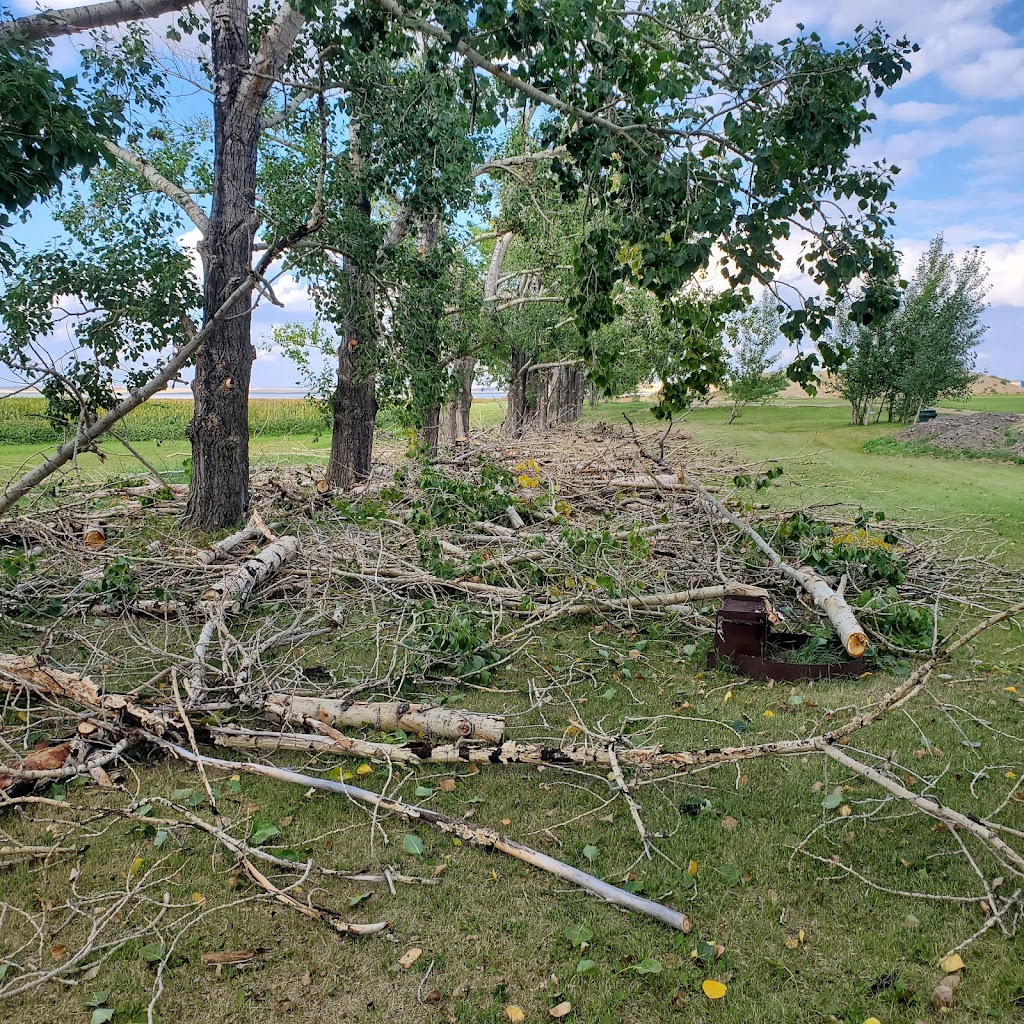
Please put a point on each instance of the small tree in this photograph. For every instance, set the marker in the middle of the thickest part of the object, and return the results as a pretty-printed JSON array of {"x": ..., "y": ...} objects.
[
  {"x": 936, "y": 328},
  {"x": 752, "y": 335},
  {"x": 924, "y": 349}
]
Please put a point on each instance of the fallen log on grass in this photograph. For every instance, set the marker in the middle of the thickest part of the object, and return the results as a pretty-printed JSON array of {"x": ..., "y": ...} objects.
[
  {"x": 215, "y": 552},
  {"x": 475, "y": 835},
  {"x": 830, "y": 601},
  {"x": 238, "y": 585},
  {"x": 422, "y": 719}
]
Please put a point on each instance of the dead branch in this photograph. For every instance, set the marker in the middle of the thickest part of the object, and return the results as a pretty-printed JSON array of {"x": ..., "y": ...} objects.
[
  {"x": 473, "y": 834},
  {"x": 833, "y": 604}
]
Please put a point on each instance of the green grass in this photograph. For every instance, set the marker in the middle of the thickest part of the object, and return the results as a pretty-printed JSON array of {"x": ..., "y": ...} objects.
[
  {"x": 824, "y": 460},
  {"x": 988, "y": 403},
  {"x": 493, "y": 933}
]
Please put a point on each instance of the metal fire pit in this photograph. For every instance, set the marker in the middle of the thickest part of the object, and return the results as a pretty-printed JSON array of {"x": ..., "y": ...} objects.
[{"x": 743, "y": 637}]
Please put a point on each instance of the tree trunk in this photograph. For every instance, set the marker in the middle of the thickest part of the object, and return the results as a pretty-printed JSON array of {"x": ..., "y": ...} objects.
[
  {"x": 219, "y": 432},
  {"x": 354, "y": 403},
  {"x": 516, "y": 411},
  {"x": 354, "y": 411},
  {"x": 454, "y": 417},
  {"x": 734, "y": 411}
]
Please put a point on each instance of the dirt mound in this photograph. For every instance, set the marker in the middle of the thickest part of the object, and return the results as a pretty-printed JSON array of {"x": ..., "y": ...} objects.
[
  {"x": 976, "y": 432},
  {"x": 989, "y": 385}
]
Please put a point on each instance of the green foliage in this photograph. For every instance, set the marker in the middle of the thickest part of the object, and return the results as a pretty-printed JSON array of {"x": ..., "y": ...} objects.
[
  {"x": 447, "y": 500},
  {"x": 456, "y": 639},
  {"x": 752, "y": 337},
  {"x": 924, "y": 349},
  {"x": 46, "y": 130},
  {"x": 905, "y": 624},
  {"x": 867, "y": 555}
]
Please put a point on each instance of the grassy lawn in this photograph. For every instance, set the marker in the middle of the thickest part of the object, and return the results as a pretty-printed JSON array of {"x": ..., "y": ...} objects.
[{"x": 495, "y": 933}]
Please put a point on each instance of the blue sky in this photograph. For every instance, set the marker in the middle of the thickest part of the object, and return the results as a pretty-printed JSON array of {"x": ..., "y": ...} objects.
[{"x": 955, "y": 126}]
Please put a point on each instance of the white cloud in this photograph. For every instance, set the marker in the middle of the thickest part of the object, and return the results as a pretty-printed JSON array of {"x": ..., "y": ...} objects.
[
  {"x": 960, "y": 41},
  {"x": 996, "y": 74},
  {"x": 919, "y": 112}
]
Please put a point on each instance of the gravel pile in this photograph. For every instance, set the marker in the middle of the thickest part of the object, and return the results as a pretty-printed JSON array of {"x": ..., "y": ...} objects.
[{"x": 979, "y": 432}]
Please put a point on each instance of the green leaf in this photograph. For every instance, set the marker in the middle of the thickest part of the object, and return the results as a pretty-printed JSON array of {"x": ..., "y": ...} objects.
[
  {"x": 97, "y": 999},
  {"x": 689, "y": 650},
  {"x": 577, "y": 934},
  {"x": 413, "y": 845},
  {"x": 153, "y": 952},
  {"x": 832, "y": 801},
  {"x": 361, "y": 897},
  {"x": 609, "y": 693},
  {"x": 796, "y": 699},
  {"x": 160, "y": 838},
  {"x": 424, "y": 791},
  {"x": 102, "y": 1015},
  {"x": 262, "y": 832},
  {"x": 586, "y": 967},
  {"x": 730, "y": 873},
  {"x": 591, "y": 853},
  {"x": 648, "y": 966}
]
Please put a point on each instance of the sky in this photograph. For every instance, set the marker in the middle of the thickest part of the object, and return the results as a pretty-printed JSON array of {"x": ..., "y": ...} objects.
[{"x": 955, "y": 127}]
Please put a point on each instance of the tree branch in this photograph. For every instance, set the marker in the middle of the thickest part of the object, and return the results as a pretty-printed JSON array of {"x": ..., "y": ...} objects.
[
  {"x": 54, "y": 23},
  {"x": 175, "y": 193},
  {"x": 397, "y": 11}
]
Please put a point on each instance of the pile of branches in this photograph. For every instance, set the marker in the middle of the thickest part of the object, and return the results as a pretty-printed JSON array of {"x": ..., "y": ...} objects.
[{"x": 567, "y": 527}]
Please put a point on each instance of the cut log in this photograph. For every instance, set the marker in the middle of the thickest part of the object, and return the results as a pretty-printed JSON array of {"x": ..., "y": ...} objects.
[
  {"x": 215, "y": 552},
  {"x": 42, "y": 759},
  {"x": 94, "y": 536},
  {"x": 831, "y": 602},
  {"x": 237, "y": 585},
  {"x": 422, "y": 719}
]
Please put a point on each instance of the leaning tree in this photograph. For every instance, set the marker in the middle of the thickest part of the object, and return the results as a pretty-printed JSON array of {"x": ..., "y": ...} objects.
[{"x": 693, "y": 145}]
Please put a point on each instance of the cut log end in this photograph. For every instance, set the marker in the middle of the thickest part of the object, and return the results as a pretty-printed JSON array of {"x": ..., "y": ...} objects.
[
  {"x": 856, "y": 644},
  {"x": 94, "y": 536}
]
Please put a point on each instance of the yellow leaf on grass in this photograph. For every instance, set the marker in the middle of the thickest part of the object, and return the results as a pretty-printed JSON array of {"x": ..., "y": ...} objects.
[
  {"x": 198, "y": 897},
  {"x": 872, "y": 1020},
  {"x": 363, "y": 769},
  {"x": 1011, "y": 775},
  {"x": 728, "y": 697},
  {"x": 952, "y": 963},
  {"x": 845, "y": 811},
  {"x": 560, "y": 1010},
  {"x": 514, "y": 1013},
  {"x": 136, "y": 866},
  {"x": 410, "y": 957},
  {"x": 691, "y": 869},
  {"x": 1010, "y": 689},
  {"x": 769, "y": 713},
  {"x": 713, "y": 989}
]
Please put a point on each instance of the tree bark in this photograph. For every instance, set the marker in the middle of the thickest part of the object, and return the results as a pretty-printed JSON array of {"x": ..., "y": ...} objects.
[
  {"x": 517, "y": 408},
  {"x": 354, "y": 404},
  {"x": 219, "y": 431},
  {"x": 422, "y": 719},
  {"x": 454, "y": 425}
]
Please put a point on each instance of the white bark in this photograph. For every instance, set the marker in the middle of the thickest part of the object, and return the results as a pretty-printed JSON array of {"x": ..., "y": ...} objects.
[
  {"x": 175, "y": 193},
  {"x": 236, "y": 586},
  {"x": 834, "y": 605},
  {"x": 69, "y": 20},
  {"x": 422, "y": 719}
]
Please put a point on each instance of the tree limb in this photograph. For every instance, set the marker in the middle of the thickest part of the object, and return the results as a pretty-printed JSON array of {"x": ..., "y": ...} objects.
[{"x": 175, "y": 193}]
